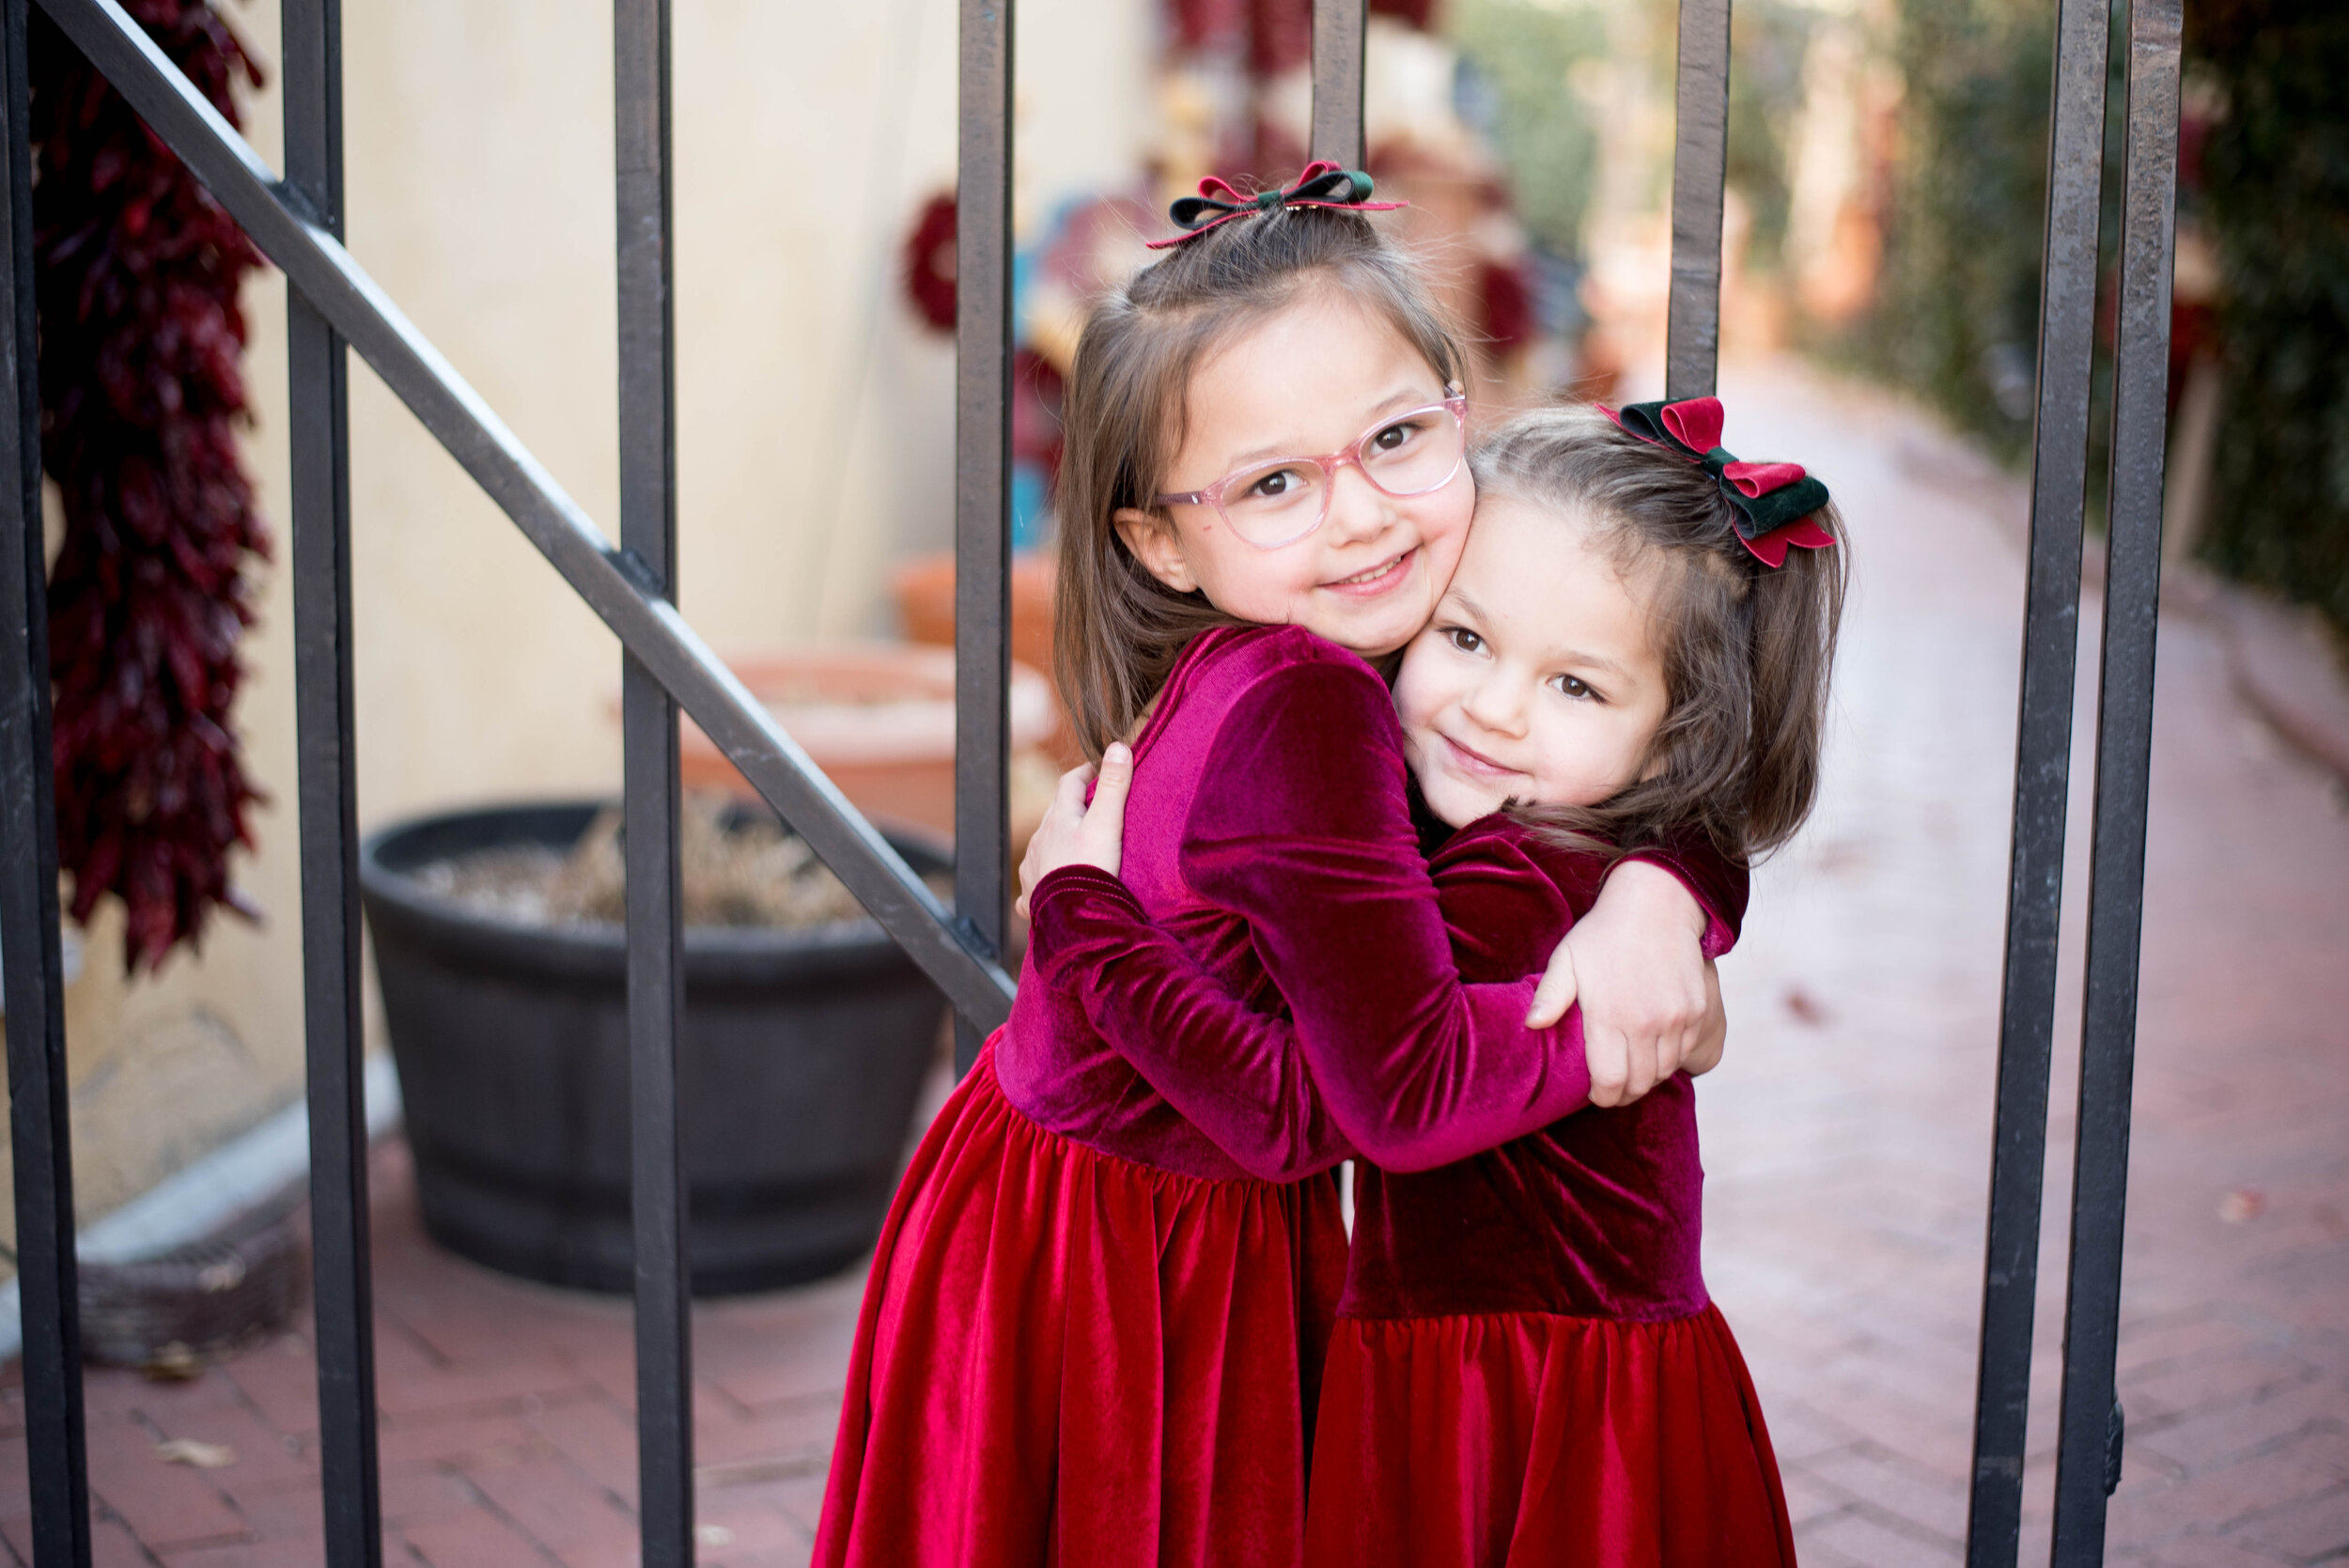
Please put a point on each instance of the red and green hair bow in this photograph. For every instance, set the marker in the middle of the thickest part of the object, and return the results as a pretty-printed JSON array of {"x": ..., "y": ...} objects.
[
  {"x": 1775, "y": 503},
  {"x": 1322, "y": 184}
]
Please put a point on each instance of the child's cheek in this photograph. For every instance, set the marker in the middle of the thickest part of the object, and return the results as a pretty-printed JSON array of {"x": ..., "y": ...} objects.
[{"x": 1446, "y": 538}]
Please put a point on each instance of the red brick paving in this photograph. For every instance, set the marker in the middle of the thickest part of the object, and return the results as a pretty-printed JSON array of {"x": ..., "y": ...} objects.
[
  {"x": 1847, "y": 1140},
  {"x": 1847, "y": 1135},
  {"x": 508, "y": 1436}
]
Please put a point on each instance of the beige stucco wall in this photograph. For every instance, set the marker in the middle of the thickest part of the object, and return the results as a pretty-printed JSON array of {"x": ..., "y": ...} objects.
[{"x": 815, "y": 446}]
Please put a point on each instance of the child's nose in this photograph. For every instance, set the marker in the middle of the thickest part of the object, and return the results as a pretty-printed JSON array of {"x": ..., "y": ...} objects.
[
  {"x": 1497, "y": 704},
  {"x": 1357, "y": 509}
]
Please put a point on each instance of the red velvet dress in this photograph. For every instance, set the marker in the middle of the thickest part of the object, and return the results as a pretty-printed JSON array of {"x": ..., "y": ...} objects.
[
  {"x": 1090, "y": 1335},
  {"x": 1527, "y": 1369}
]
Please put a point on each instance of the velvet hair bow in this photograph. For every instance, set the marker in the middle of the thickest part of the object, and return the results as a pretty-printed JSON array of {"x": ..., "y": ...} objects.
[
  {"x": 1774, "y": 502},
  {"x": 1322, "y": 184}
]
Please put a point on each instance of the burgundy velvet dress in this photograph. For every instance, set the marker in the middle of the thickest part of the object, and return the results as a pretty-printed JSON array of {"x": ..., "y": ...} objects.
[
  {"x": 1090, "y": 1335},
  {"x": 1526, "y": 1368}
]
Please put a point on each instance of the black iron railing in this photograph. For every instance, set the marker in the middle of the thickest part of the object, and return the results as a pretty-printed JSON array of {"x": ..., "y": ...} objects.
[{"x": 297, "y": 221}]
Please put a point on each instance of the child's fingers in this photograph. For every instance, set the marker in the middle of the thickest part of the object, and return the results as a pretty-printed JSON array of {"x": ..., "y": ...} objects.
[
  {"x": 1707, "y": 1040},
  {"x": 1117, "y": 777},
  {"x": 1031, "y": 871},
  {"x": 1068, "y": 799},
  {"x": 1105, "y": 819},
  {"x": 1556, "y": 992},
  {"x": 1640, "y": 1068},
  {"x": 1608, "y": 1054}
]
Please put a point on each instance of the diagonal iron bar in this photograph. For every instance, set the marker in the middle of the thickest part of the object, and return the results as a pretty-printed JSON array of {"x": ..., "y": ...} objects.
[{"x": 627, "y": 596}]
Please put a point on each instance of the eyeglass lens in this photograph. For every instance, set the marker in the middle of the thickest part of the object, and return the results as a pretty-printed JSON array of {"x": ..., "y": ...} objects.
[{"x": 1284, "y": 498}]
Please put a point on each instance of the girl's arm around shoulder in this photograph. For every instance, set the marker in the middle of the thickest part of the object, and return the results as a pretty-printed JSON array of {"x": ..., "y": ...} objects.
[{"x": 1719, "y": 883}]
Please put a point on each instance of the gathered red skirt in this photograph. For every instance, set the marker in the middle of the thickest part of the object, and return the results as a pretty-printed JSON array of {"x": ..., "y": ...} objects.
[
  {"x": 1066, "y": 1358},
  {"x": 1528, "y": 1439}
]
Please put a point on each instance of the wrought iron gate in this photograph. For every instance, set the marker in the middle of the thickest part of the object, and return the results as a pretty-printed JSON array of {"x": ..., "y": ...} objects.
[{"x": 297, "y": 221}]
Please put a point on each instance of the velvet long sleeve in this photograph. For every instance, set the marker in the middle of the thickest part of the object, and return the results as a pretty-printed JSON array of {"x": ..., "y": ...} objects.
[
  {"x": 1307, "y": 837},
  {"x": 1718, "y": 884},
  {"x": 1234, "y": 1072},
  {"x": 1237, "y": 1072}
]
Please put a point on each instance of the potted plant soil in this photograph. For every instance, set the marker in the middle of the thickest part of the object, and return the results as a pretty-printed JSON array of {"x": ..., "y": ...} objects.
[{"x": 807, "y": 1034}]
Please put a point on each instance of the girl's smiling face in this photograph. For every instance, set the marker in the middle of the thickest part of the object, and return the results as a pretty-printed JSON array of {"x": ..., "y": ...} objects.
[
  {"x": 1311, "y": 379},
  {"x": 1539, "y": 681}
]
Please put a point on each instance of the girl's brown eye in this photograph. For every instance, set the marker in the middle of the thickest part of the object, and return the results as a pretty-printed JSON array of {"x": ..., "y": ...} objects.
[{"x": 1574, "y": 687}]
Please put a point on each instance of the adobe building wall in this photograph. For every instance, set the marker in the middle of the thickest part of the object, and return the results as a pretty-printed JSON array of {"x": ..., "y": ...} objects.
[{"x": 816, "y": 430}]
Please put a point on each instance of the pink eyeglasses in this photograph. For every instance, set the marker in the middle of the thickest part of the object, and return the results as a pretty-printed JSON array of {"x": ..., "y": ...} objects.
[{"x": 1281, "y": 500}]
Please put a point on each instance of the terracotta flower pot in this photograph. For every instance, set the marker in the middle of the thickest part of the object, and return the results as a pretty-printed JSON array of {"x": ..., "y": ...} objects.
[
  {"x": 879, "y": 719},
  {"x": 924, "y": 590}
]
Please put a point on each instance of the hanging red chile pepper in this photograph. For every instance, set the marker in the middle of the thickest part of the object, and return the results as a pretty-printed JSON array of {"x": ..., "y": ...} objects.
[{"x": 142, "y": 394}]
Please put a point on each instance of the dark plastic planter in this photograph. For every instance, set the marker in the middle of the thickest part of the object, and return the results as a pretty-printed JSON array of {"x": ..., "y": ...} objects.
[{"x": 802, "y": 1055}]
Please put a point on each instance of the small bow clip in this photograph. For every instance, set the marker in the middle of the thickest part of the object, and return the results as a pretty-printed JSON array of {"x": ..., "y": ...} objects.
[
  {"x": 1322, "y": 184},
  {"x": 1774, "y": 502}
]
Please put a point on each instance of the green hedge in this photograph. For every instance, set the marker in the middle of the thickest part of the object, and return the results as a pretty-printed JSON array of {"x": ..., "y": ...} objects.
[
  {"x": 2276, "y": 198},
  {"x": 1957, "y": 319},
  {"x": 1524, "y": 58}
]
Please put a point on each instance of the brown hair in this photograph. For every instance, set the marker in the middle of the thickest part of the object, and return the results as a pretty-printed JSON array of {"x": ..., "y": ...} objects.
[
  {"x": 1746, "y": 649},
  {"x": 1118, "y": 630}
]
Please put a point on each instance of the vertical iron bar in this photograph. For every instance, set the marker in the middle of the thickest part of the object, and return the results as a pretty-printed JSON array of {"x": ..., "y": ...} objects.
[
  {"x": 1338, "y": 51},
  {"x": 318, "y": 411},
  {"x": 1692, "y": 339},
  {"x": 2086, "y": 1453},
  {"x": 2042, "y": 782},
  {"x": 656, "y": 949},
  {"x": 983, "y": 486},
  {"x": 29, "y": 939}
]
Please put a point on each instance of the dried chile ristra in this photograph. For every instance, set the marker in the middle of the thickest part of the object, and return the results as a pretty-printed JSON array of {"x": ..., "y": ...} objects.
[{"x": 142, "y": 395}]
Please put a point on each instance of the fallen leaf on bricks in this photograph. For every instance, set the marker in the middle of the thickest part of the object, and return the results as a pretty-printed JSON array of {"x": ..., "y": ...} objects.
[
  {"x": 192, "y": 1451},
  {"x": 2242, "y": 1206},
  {"x": 1842, "y": 857},
  {"x": 173, "y": 1363}
]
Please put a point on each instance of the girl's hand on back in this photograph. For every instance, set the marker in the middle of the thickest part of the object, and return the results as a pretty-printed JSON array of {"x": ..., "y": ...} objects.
[
  {"x": 1635, "y": 962},
  {"x": 1076, "y": 833}
]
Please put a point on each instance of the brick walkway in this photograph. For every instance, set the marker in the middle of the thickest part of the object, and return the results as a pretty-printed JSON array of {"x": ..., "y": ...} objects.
[
  {"x": 1848, "y": 1135},
  {"x": 509, "y": 1433},
  {"x": 1847, "y": 1139}
]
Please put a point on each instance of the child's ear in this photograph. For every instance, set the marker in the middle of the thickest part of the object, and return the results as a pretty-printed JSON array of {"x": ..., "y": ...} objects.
[{"x": 1151, "y": 539}]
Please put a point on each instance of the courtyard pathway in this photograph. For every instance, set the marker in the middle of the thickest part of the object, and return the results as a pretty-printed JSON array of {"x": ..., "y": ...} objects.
[{"x": 1846, "y": 1136}]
